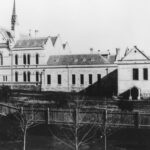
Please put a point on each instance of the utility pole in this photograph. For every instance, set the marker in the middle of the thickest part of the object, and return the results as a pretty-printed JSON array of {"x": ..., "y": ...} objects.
[
  {"x": 11, "y": 65},
  {"x": 105, "y": 128}
]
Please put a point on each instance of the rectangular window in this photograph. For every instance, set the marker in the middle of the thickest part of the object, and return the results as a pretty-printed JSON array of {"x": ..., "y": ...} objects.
[
  {"x": 37, "y": 76},
  {"x": 59, "y": 79},
  {"x": 73, "y": 79},
  {"x": 99, "y": 77},
  {"x": 145, "y": 74},
  {"x": 16, "y": 76},
  {"x": 48, "y": 79},
  {"x": 135, "y": 74},
  {"x": 24, "y": 59},
  {"x": 81, "y": 79},
  {"x": 5, "y": 78},
  {"x": 90, "y": 79}
]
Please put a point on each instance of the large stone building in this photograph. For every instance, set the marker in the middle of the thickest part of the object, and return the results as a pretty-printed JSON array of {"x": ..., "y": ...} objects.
[
  {"x": 46, "y": 63},
  {"x": 133, "y": 72}
]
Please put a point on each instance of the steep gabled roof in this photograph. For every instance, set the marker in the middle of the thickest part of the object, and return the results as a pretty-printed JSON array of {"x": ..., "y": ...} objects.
[
  {"x": 31, "y": 43},
  {"x": 53, "y": 39},
  {"x": 82, "y": 59},
  {"x": 135, "y": 50},
  {"x": 6, "y": 34}
]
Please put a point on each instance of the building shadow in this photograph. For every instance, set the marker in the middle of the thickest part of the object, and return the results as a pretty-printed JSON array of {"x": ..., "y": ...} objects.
[
  {"x": 132, "y": 91},
  {"x": 104, "y": 88}
]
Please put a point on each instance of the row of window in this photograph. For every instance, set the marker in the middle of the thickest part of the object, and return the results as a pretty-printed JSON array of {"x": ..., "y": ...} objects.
[
  {"x": 27, "y": 76},
  {"x": 136, "y": 74},
  {"x": 27, "y": 59},
  {"x": 59, "y": 79}
]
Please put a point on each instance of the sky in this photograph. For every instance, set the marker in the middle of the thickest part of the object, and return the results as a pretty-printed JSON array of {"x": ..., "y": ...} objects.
[{"x": 85, "y": 24}]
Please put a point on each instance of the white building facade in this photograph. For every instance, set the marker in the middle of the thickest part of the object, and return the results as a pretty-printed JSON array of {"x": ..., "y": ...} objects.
[{"x": 133, "y": 71}]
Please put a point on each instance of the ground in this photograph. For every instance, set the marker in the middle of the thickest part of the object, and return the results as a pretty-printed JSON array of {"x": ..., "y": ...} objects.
[{"x": 121, "y": 139}]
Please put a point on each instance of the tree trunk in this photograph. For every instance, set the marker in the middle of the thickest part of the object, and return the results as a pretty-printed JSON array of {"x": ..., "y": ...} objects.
[
  {"x": 76, "y": 129},
  {"x": 24, "y": 139},
  {"x": 76, "y": 138}
]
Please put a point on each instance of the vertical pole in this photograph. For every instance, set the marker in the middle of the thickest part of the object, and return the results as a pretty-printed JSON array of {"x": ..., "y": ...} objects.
[
  {"x": 48, "y": 117},
  {"x": 40, "y": 81},
  {"x": 21, "y": 110},
  {"x": 136, "y": 119},
  {"x": 68, "y": 76},
  {"x": 139, "y": 93},
  {"x": 130, "y": 96},
  {"x": 11, "y": 65},
  {"x": 76, "y": 128},
  {"x": 105, "y": 128}
]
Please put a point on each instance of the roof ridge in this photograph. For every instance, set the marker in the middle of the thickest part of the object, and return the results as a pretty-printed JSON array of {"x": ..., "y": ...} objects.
[{"x": 35, "y": 38}]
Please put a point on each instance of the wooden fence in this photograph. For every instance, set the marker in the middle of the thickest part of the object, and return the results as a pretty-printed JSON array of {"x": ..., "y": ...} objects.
[{"x": 109, "y": 117}]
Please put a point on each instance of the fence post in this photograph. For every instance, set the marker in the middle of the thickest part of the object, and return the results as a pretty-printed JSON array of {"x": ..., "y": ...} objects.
[
  {"x": 48, "y": 116},
  {"x": 105, "y": 127},
  {"x": 136, "y": 119},
  {"x": 21, "y": 110}
]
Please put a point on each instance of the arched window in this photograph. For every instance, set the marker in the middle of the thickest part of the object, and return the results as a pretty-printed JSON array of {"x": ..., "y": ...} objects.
[
  {"x": 37, "y": 76},
  {"x": 24, "y": 77},
  {"x": 37, "y": 59},
  {"x": 24, "y": 59},
  {"x": 16, "y": 76},
  {"x": 28, "y": 57},
  {"x": 16, "y": 59},
  {"x": 29, "y": 74},
  {"x": 1, "y": 59}
]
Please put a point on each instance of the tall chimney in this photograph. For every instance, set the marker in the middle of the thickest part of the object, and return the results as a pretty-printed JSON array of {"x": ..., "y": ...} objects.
[
  {"x": 117, "y": 51},
  {"x": 91, "y": 50},
  {"x": 98, "y": 51}
]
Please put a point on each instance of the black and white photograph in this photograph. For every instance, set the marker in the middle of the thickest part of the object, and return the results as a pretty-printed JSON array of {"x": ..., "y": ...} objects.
[{"x": 74, "y": 75}]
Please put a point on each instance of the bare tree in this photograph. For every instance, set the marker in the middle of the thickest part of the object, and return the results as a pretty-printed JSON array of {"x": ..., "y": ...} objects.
[
  {"x": 27, "y": 118},
  {"x": 78, "y": 126}
]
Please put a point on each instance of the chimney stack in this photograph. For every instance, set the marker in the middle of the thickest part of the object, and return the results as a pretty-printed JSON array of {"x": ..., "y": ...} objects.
[
  {"x": 117, "y": 51},
  {"x": 91, "y": 50},
  {"x": 99, "y": 51}
]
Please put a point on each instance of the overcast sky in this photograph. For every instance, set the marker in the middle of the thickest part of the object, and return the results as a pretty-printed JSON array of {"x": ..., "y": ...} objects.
[{"x": 101, "y": 24}]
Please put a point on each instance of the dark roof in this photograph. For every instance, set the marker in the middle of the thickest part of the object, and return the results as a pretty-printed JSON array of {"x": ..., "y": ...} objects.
[
  {"x": 83, "y": 59},
  {"x": 64, "y": 45},
  {"x": 7, "y": 34},
  {"x": 4, "y": 45},
  {"x": 53, "y": 39},
  {"x": 31, "y": 43}
]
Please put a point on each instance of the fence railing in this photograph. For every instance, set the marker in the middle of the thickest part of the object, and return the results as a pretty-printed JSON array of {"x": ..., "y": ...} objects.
[{"x": 109, "y": 117}]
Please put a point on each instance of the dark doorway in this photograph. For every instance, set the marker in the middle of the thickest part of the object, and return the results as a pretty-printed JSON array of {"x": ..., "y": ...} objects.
[{"x": 133, "y": 91}]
